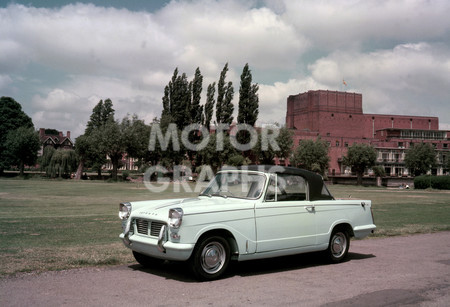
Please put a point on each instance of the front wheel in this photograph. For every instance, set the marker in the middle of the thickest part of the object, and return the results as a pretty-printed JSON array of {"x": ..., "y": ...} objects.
[
  {"x": 210, "y": 258},
  {"x": 338, "y": 246}
]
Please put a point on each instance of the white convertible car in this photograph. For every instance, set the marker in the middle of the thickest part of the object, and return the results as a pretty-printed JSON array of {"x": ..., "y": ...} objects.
[{"x": 249, "y": 213}]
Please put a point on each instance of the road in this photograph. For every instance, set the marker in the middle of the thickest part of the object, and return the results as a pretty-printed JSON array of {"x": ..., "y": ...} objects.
[{"x": 400, "y": 271}]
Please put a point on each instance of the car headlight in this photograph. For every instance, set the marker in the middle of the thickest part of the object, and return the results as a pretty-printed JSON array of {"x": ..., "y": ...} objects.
[
  {"x": 124, "y": 211},
  {"x": 175, "y": 217}
]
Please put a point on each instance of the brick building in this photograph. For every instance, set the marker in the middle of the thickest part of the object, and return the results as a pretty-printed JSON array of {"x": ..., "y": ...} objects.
[
  {"x": 54, "y": 138},
  {"x": 338, "y": 118}
]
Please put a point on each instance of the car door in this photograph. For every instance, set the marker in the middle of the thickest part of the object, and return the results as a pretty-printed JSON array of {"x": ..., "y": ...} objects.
[{"x": 285, "y": 219}]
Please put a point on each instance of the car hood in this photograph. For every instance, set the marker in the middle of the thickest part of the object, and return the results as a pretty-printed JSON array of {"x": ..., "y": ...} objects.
[{"x": 158, "y": 209}]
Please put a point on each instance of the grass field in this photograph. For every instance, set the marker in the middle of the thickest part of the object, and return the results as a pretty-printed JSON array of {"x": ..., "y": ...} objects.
[{"x": 55, "y": 225}]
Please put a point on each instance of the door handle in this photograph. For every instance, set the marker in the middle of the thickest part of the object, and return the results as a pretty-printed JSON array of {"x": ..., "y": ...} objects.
[{"x": 310, "y": 208}]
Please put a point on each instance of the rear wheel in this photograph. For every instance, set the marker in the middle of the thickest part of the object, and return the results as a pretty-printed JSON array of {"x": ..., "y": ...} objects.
[
  {"x": 147, "y": 261},
  {"x": 210, "y": 258},
  {"x": 338, "y": 246}
]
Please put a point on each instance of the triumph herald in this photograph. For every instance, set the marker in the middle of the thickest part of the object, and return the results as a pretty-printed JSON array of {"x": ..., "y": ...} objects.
[{"x": 253, "y": 212}]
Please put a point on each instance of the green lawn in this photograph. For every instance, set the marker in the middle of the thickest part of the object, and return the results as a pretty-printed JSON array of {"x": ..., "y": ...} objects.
[{"x": 54, "y": 225}]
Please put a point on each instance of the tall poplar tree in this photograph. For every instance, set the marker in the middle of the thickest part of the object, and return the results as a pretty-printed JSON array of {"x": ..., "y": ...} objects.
[
  {"x": 209, "y": 105},
  {"x": 177, "y": 102},
  {"x": 196, "y": 88},
  {"x": 248, "y": 104},
  {"x": 225, "y": 93},
  {"x": 248, "y": 99}
]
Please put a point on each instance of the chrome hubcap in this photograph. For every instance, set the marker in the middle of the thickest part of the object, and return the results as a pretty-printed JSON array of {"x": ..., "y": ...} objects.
[
  {"x": 213, "y": 257},
  {"x": 338, "y": 245}
]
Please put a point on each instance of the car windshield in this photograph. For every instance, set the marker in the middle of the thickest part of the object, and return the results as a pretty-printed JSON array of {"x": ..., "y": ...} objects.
[{"x": 236, "y": 184}]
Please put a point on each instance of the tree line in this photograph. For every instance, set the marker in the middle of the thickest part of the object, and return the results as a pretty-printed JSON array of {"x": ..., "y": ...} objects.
[{"x": 107, "y": 139}]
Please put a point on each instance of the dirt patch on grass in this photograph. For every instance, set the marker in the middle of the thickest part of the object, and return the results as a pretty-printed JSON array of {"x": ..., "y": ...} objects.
[{"x": 14, "y": 261}]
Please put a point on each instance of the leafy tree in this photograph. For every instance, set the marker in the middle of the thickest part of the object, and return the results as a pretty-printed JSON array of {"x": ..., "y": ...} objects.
[
  {"x": 83, "y": 149},
  {"x": 44, "y": 160},
  {"x": 86, "y": 145},
  {"x": 379, "y": 171},
  {"x": 136, "y": 135},
  {"x": 420, "y": 158},
  {"x": 225, "y": 93},
  {"x": 311, "y": 155},
  {"x": 22, "y": 146},
  {"x": 59, "y": 162},
  {"x": 11, "y": 118},
  {"x": 153, "y": 156},
  {"x": 209, "y": 105},
  {"x": 263, "y": 156},
  {"x": 102, "y": 113},
  {"x": 285, "y": 141},
  {"x": 237, "y": 160},
  {"x": 110, "y": 140},
  {"x": 266, "y": 154},
  {"x": 214, "y": 156},
  {"x": 115, "y": 139},
  {"x": 359, "y": 157}
]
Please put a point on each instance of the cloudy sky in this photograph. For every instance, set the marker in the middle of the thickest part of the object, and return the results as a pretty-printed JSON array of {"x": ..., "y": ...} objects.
[{"x": 59, "y": 58}]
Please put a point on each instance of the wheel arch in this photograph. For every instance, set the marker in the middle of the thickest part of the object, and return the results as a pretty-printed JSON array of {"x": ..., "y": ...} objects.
[
  {"x": 346, "y": 226},
  {"x": 224, "y": 233}
]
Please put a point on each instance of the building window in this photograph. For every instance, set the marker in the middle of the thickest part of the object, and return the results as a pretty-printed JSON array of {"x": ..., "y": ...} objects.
[
  {"x": 346, "y": 144},
  {"x": 328, "y": 134},
  {"x": 445, "y": 146},
  {"x": 329, "y": 143},
  {"x": 337, "y": 143},
  {"x": 400, "y": 145}
]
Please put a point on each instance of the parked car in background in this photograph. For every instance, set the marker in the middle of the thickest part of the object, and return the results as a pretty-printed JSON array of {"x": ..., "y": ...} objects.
[{"x": 248, "y": 213}]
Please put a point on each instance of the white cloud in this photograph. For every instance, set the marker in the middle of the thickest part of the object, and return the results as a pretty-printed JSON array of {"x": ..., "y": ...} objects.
[
  {"x": 398, "y": 81},
  {"x": 345, "y": 24},
  {"x": 230, "y": 31}
]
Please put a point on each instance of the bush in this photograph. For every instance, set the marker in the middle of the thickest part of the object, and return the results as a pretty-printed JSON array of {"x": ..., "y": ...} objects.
[
  {"x": 422, "y": 182},
  {"x": 125, "y": 175},
  {"x": 435, "y": 182},
  {"x": 379, "y": 171},
  {"x": 441, "y": 182}
]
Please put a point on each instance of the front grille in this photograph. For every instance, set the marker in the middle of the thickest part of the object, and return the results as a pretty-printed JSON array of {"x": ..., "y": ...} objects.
[
  {"x": 156, "y": 228},
  {"x": 142, "y": 226},
  {"x": 148, "y": 228}
]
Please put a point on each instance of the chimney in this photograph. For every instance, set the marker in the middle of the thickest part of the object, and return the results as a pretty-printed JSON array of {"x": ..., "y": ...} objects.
[
  {"x": 41, "y": 133},
  {"x": 60, "y": 135},
  {"x": 68, "y": 134}
]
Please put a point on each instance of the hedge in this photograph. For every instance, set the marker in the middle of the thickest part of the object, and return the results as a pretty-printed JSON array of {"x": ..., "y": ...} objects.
[{"x": 435, "y": 182}]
